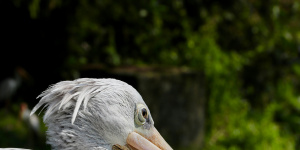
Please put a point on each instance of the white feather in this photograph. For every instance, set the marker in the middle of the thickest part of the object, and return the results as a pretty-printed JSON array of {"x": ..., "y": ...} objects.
[{"x": 88, "y": 113}]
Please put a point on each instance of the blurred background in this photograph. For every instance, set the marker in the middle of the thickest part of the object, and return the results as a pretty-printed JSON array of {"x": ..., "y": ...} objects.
[{"x": 216, "y": 74}]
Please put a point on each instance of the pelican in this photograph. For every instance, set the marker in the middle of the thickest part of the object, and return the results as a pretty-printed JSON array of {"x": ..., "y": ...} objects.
[
  {"x": 31, "y": 120},
  {"x": 98, "y": 114},
  {"x": 10, "y": 85}
]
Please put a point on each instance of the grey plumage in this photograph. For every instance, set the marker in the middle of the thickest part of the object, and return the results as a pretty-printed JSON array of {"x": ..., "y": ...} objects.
[{"x": 89, "y": 113}]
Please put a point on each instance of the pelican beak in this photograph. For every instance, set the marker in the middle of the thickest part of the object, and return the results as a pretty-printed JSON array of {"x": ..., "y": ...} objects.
[{"x": 150, "y": 141}]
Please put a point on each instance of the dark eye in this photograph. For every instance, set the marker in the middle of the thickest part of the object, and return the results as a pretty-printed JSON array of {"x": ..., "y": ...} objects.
[
  {"x": 141, "y": 114},
  {"x": 144, "y": 113}
]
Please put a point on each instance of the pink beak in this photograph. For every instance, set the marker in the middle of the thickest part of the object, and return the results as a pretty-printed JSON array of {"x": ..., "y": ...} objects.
[{"x": 153, "y": 141}]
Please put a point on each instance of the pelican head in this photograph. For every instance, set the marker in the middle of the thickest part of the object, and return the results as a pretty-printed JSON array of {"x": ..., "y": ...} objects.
[{"x": 98, "y": 114}]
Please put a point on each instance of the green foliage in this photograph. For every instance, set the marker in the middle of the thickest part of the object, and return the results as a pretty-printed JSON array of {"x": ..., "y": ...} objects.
[
  {"x": 34, "y": 8},
  {"x": 16, "y": 132}
]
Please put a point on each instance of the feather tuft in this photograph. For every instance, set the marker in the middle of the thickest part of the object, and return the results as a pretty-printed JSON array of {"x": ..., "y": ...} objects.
[{"x": 62, "y": 94}]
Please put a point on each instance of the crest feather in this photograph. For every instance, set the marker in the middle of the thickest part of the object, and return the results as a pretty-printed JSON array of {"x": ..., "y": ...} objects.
[{"x": 58, "y": 96}]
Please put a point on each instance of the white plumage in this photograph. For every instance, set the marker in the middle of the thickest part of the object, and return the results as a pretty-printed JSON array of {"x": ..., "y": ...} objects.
[
  {"x": 32, "y": 120},
  {"x": 95, "y": 114}
]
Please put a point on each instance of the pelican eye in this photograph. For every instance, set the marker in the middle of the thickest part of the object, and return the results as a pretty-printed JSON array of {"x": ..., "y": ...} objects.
[
  {"x": 141, "y": 114},
  {"x": 144, "y": 113}
]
